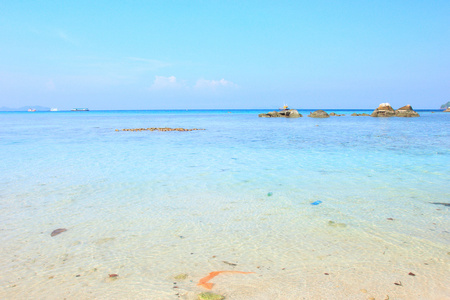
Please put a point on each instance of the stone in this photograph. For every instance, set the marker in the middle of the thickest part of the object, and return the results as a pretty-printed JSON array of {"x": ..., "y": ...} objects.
[
  {"x": 182, "y": 276},
  {"x": 383, "y": 110},
  {"x": 334, "y": 224},
  {"x": 319, "y": 114},
  {"x": 335, "y": 114},
  {"x": 406, "y": 111},
  {"x": 271, "y": 114},
  {"x": 447, "y": 110},
  {"x": 290, "y": 113},
  {"x": 210, "y": 296},
  {"x": 57, "y": 231}
]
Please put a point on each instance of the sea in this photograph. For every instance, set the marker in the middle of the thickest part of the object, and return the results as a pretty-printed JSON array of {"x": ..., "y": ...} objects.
[{"x": 347, "y": 207}]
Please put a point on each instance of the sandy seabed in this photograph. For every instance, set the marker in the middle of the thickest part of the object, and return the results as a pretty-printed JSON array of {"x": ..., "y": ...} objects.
[{"x": 296, "y": 261}]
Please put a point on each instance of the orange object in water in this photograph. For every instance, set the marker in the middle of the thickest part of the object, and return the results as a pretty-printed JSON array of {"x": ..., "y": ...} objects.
[{"x": 208, "y": 285}]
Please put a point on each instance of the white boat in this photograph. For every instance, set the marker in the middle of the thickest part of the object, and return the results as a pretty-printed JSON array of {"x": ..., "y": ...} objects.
[
  {"x": 80, "y": 109},
  {"x": 53, "y": 109}
]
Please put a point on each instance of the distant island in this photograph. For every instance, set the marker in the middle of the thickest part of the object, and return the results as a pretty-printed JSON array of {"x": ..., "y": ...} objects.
[
  {"x": 25, "y": 108},
  {"x": 446, "y": 105}
]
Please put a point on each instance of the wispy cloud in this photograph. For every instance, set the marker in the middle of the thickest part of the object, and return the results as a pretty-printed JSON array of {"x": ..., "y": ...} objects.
[
  {"x": 65, "y": 37},
  {"x": 171, "y": 82},
  {"x": 212, "y": 84}
]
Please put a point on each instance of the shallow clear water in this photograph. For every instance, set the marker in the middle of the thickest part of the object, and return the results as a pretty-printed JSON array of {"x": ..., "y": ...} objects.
[{"x": 151, "y": 205}]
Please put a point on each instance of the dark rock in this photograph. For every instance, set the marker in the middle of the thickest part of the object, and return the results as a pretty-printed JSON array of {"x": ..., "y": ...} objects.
[
  {"x": 57, "y": 231},
  {"x": 272, "y": 114},
  {"x": 384, "y": 110},
  {"x": 319, "y": 114},
  {"x": 290, "y": 113},
  {"x": 406, "y": 111},
  {"x": 441, "y": 203}
]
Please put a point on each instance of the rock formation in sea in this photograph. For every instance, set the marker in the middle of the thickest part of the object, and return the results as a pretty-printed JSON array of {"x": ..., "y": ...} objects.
[
  {"x": 360, "y": 115},
  {"x": 406, "y": 111},
  {"x": 445, "y": 106},
  {"x": 383, "y": 110},
  {"x": 447, "y": 110},
  {"x": 319, "y": 114},
  {"x": 291, "y": 113}
]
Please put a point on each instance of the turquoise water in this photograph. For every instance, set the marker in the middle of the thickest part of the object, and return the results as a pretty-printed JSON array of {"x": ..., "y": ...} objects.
[{"x": 151, "y": 205}]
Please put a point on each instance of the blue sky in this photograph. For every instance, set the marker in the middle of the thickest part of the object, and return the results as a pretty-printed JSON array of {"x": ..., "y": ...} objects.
[{"x": 224, "y": 54}]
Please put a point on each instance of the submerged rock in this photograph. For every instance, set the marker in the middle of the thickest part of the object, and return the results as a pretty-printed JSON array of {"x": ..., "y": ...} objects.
[
  {"x": 406, "y": 111},
  {"x": 210, "y": 296},
  {"x": 334, "y": 224},
  {"x": 182, "y": 276},
  {"x": 57, "y": 231},
  {"x": 441, "y": 203},
  {"x": 319, "y": 114},
  {"x": 383, "y": 110},
  {"x": 290, "y": 113}
]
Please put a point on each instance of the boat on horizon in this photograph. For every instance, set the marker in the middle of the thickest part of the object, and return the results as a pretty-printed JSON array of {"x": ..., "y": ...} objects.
[
  {"x": 53, "y": 109},
  {"x": 80, "y": 109},
  {"x": 31, "y": 109}
]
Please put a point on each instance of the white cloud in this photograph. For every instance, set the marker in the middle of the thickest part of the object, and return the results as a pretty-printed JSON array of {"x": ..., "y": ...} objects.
[
  {"x": 204, "y": 83},
  {"x": 170, "y": 82}
]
